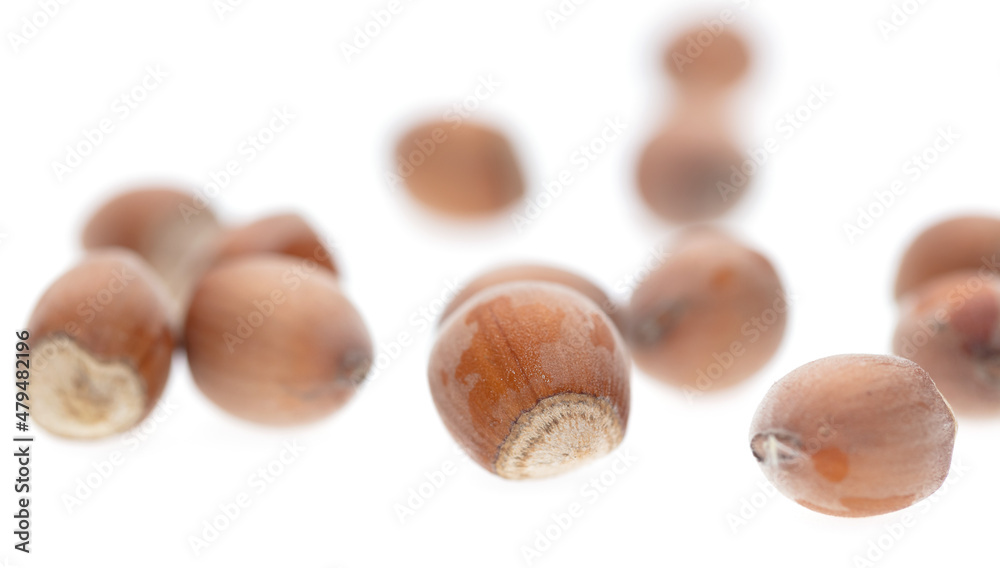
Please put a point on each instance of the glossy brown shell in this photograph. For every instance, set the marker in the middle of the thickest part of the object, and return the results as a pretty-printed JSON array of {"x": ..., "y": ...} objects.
[
  {"x": 538, "y": 273},
  {"x": 515, "y": 345}
]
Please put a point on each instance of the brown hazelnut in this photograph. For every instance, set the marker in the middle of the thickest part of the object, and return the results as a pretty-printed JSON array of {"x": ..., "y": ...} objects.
[
  {"x": 955, "y": 244},
  {"x": 272, "y": 339},
  {"x": 287, "y": 234},
  {"x": 102, "y": 345},
  {"x": 854, "y": 435},
  {"x": 166, "y": 227},
  {"x": 464, "y": 170},
  {"x": 532, "y": 379},
  {"x": 690, "y": 173},
  {"x": 711, "y": 315},
  {"x": 707, "y": 59},
  {"x": 951, "y": 327},
  {"x": 538, "y": 273}
]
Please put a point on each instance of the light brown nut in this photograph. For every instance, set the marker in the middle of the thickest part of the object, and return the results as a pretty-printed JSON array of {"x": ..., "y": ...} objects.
[
  {"x": 101, "y": 344},
  {"x": 710, "y": 316},
  {"x": 854, "y": 435},
  {"x": 950, "y": 326},
  {"x": 532, "y": 379},
  {"x": 271, "y": 341}
]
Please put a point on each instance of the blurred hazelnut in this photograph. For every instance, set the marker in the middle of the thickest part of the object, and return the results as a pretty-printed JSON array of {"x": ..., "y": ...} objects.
[
  {"x": 711, "y": 315},
  {"x": 166, "y": 227},
  {"x": 532, "y": 379},
  {"x": 688, "y": 173},
  {"x": 707, "y": 59},
  {"x": 951, "y": 327},
  {"x": 538, "y": 273},
  {"x": 954, "y": 244},
  {"x": 463, "y": 170},
  {"x": 854, "y": 435},
  {"x": 287, "y": 234},
  {"x": 102, "y": 347},
  {"x": 272, "y": 339}
]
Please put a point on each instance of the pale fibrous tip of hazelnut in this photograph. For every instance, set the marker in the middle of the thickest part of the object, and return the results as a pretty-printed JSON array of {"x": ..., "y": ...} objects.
[
  {"x": 77, "y": 395},
  {"x": 776, "y": 449},
  {"x": 559, "y": 433}
]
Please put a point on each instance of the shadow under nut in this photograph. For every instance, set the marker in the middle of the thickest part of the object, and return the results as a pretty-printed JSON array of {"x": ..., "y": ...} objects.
[
  {"x": 272, "y": 343},
  {"x": 711, "y": 315},
  {"x": 531, "y": 379},
  {"x": 951, "y": 327},
  {"x": 102, "y": 345},
  {"x": 854, "y": 435}
]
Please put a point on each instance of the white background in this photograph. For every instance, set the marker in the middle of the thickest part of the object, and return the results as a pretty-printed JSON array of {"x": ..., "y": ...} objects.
[{"x": 334, "y": 506}]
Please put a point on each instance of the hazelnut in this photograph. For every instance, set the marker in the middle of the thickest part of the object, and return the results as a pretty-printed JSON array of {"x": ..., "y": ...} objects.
[
  {"x": 711, "y": 315},
  {"x": 287, "y": 234},
  {"x": 532, "y": 379},
  {"x": 103, "y": 347},
  {"x": 703, "y": 59},
  {"x": 465, "y": 170},
  {"x": 272, "y": 339},
  {"x": 165, "y": 227},
  {"x": 854, "y": 435},
  {"x": 955, "y": 244},
  {"x": 951, "y": 327},
  {"x": 691, "y": 173},
  {"x": 538, "y": 273}
]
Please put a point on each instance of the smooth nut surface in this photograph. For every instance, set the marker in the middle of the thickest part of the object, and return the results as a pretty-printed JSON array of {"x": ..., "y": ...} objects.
[
  {"x": 701, "y": 58},
  {"x": 688, "y": 173},
  {"x": 531, "y": 379},
  {"x": 951, "y": 327},
  {"x": 536, "y": 273},
  {"x": 854, "y": 435},
  {"x": 102, "y": 347},
  {"x": 271, "y": 341},
  {"x": 710, "y": 316},
  {"x": 468, "y": 170},
  {"x": 166, "y": 227},
  {"x": 285, "y": 233},
  {"x": 960, "y": 243}
]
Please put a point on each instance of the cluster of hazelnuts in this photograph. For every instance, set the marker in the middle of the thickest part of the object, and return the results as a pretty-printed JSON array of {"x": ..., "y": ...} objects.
[
  {"x": 530, "y": 369},
  {"x": 268, "y": 334}
]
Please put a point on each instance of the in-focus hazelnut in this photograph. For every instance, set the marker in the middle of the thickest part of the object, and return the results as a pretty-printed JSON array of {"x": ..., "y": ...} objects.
[
  {"x": 950, "y": 326},
  {"x": 711, "y": 315},
  {"x": 537, "y": 273},
  {"x": 532, "y": 379},
  {"x": 166, "y": 227},
  {"x": 272, "y": 341},
  {"x": 102, "y": 347},
  {"x": 854, "y": 435},
  {"x": 468, "y": 170},
  {"x": 691, "y": 173},
  {"x": 955, "y": 244},
  {"x": 287, "y": 234}
]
